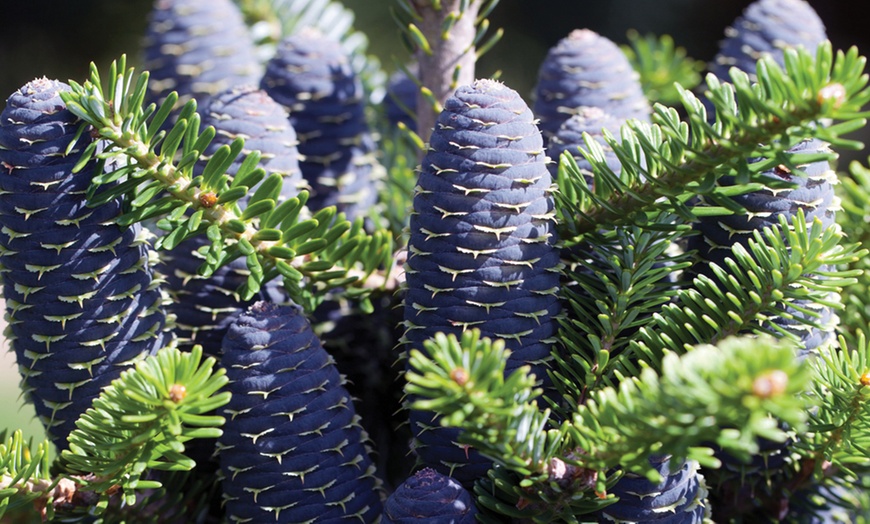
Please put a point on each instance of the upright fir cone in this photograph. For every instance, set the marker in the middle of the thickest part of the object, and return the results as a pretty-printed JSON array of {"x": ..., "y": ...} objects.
[
  {"x": 429, "y": 497},
  {"x": 205, "y": 306},
  {"x": 197, "y": 48},
  {"x": 482, "y": 247},
  {"x": 586, "y": 69},
  {"x": 312, "y": 77},
  {"x": 569, "y": 137},
  {"x": 767, "y": 27},
  {"x": 679, "y": 498},
  {"x": 81, "y": 301},
  {"x": 292, "y": 449}
]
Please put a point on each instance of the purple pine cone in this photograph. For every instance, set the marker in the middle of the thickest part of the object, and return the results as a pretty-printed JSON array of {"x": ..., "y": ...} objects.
[
  {"x": 429, "y": 496},
  {"x": 569, "y": 137},
  {"x": 767, "y": 27},
  {"x": 586, "y": 69},
  {"x": 81, "y": 299},
  {"x": 482, "y": 246},
  {"x": 311, "y": 76},
  {"x": 197, "y": 48},
  {"x": 292, "y": 448},
  {"x": 205, "y": 307},
  {"x": 679, "y": 498}
]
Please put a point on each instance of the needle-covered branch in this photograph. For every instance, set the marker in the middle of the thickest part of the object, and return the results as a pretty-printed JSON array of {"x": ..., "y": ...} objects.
[
  {"x": 839, "y": 430},
  {"x": 785, "y": 269},
  {"x": 156, "y": 177},
  {"x": 447, "y": 36},
  {"x": 618, "y": 279},
  {"x": 25, "y": 479},
  {"x": 854, "y": 193},
  {"x": 142, "y": 421},
  {"x": 667, "y": 163},
  {"x": 738, "y": 384}
]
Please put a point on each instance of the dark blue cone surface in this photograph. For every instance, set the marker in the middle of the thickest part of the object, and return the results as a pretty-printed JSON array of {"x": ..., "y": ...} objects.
[
  {"x": 430, "y": 497},
  {"x": 767, "y": 27},
  {"x": 311, "y": 76},
  {"x": 247, "y": 112},
  {"x": 569, "y": 137},
  {"x": 81, "y": 301},
  {"x": 205, "y": 307},
  {"x": 586, "y": 69},
  {"x": 481, "y": 250},
  {"x": 292, "y": 449},
  {"x": 400, "y": 103},
  {"x": 679, "y": 498},
  {"x": 197, "y": 48}
]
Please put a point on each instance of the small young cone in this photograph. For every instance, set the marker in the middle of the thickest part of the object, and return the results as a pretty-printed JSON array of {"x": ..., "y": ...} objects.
[
  {"x": 679, "y": 498},
  {"x": 429, "y": 497}
]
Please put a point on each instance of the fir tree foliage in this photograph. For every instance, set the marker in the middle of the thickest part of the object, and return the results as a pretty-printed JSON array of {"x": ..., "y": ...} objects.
[
  {"x": 854, "y": 193},
  {"x": 26, "y": 479},
  {"x": 139, "y": 424},
  {"x": 143, "y": 419},
  {"x": 312, "y": 255},
  {"x": 737, "y": 384},
  {"x": 663, "y": 165},
  {"x": 783, "y": 268},
  {"x": 661, "y": 64}
]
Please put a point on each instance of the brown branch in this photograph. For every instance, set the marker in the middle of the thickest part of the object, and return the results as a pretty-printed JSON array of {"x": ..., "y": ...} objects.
[{"x": 451, "y": 51}]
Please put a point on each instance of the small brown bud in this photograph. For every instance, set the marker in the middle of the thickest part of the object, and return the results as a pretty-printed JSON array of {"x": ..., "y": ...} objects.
[
  {"x": 835, "y": 92},
  {"x": 460, "y": 376},
  {"x": 177, "y": 392},
  {"x": 770, "y": 384},
  {"x": 782, "y": 171},
  {"x": 208, "y": 199},
  {"x": 865, "y": 379}
]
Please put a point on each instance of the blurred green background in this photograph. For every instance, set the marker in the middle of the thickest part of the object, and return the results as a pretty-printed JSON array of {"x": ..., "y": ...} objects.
[{"x": 59, "y": 38}]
